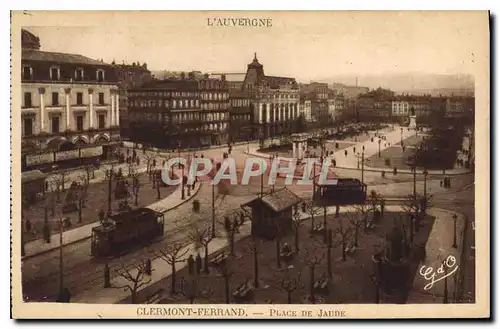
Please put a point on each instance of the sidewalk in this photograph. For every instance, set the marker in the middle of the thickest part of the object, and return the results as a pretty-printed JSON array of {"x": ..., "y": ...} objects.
[
  {"x": 37, "y": 247},
  {"x": 162, "y": 270},
  {"x": 438, "y": 248}
]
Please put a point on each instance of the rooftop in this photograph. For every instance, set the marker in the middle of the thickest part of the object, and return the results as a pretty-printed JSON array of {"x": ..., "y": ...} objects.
[
  {"x": 279, "y": 200},
  {"x": 47, "y": 56}
]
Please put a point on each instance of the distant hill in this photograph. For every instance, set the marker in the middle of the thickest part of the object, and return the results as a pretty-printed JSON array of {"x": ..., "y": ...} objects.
[{"x": 410, "y": 83}]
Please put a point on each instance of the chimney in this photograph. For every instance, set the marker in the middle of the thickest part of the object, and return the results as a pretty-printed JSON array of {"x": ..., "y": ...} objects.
[
  {"x": 206, "y": 75},
  {"x": 223, "y": 77},
  {"x": 183, "y": 75}
]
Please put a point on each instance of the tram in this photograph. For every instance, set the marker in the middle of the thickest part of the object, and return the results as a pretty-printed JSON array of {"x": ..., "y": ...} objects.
[
  {"x": 126, "y": 231},
  {"x": 346, "y": 191}
]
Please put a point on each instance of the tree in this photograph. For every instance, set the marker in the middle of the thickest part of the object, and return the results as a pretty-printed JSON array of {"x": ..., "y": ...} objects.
[
  {"x": 89, "y": 170},
  {"x": 297, "y": 223},
  {"x": 82, "y": 198},
  {"x": 136, "y": 280},
  {"x": 290, "y": 283},
  {"x": 231, "y": 228},
  {"x": 344, "y": 232},
  {"x": 364, "y": 212},
  {"x": 312, "y": 211},
  {"x": 109, "y": 174},
  {"x": 202, "y": 238},
  {"x": 356, "y": 221},
  {"x": 312, "y": 259},
  {"x": 226, "y": 270},
  {"x": 149, "y": 157},
  {"x": 57, "y": 184},
  {"x": 254, "y": 246},
  {"x": 172, "y": 255},
  {"x": 136, "y": 186}
]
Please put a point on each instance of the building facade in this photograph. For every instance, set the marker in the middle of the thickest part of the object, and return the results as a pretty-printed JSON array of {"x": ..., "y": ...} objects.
[
  {"x": 241, "y": 127},
  {"x": 129, "y": 76},
  {"x": 185, "y": 112},
  {"x": 274, "y": 100},
  {"x": 305, "y": 108},
  {"x": 68, "y": 100}
]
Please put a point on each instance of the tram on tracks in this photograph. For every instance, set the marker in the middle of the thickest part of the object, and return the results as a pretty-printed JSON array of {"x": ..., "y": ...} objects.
[{"x": 126, "y": 231}]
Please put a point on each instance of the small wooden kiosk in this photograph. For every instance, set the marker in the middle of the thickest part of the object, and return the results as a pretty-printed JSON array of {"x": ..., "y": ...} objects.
[{"x": 272, "y": 213}]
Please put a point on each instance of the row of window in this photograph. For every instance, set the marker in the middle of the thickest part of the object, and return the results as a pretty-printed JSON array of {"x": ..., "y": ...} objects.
[
  {"x": 165, "y": 103},
  {"x": 213, "y": 84},
  {"x": 218, "y": 116},
  {"x": 55, "y": 73},
  {"x": 215, "y": 106},
  {"x": 28, "y": 124},
  {"x": 163, "y": 94},
  {"x": 28, "y": 99},
  {"x": 214, "y": 96},
  {"x": 240, "y": 102}
]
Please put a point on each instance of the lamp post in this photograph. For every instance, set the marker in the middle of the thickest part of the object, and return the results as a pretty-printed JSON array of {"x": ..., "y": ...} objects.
[
  {"x": 425, "y": 183},
  {"x": 455, "y": 230},
  {"x": 357, "y": 156},
  {"x": 401, "y": 135},
  {"x": 379, "y": 140},
  {"x": 213, "y": 209}
]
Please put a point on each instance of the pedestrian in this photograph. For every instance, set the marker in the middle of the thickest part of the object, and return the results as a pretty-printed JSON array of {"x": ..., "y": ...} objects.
[
  {"x": 190, "y": 262},
  {"x": 345, "y": 153},
  {"x": 441, "y": 183},
  {"x": 28, "y": 225},
  {"x": 198, "y": 264}
]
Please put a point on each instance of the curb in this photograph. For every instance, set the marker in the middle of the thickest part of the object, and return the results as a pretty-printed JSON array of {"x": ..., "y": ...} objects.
[
  {"x": 389, "y": 171},
  {"x": 193, "y": 193}
]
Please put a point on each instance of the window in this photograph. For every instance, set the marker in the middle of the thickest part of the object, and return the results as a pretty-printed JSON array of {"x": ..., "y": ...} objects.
[
  {"x": 26, "y": 72},
  {"x": 54, "y": 73},
  {"x": 101, "y": 98},
  {"x": 28, "y": 126},
  {"x": 100, "y": 75},
  {"x": 27, "y": 100},
  {"x": 102, "y": 121},
  {"x": 55, "y": 99},
  {"x": 79, "y": 74},
  {"x": 55, "y": 124},
  {"x": 79, "y": 98},
  {"x": 79, "y": 123}
]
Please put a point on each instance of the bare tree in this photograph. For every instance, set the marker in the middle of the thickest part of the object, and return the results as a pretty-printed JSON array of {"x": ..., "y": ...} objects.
[
  {"x": 356, "y": 221},
  {"x": 82, "y": 197},
  {"x": 312, "y": 259},
  {"x": 312, "y": 211},
  {"x": 202, "y": 238},
  {"x": 173, "y": 255},
  {"x": 344, "y": 232},
  {"x": 226, "y": 270},
  {"x": 149, "y": 157},
  {"x": 290, "y": 283},
  {"x": 136, "y": 280},
  {"x": 89, "y": 171},
  {"x": 136, "y": 186},
  {"x": 109, "y": 174},
  {"x": 57, "y": 184},
  {"x": 364, "y": 212},
  {"x": 231, "y": 227},
  {"x": 255, "y": 249},
  {"x": 297, "y": 223}
]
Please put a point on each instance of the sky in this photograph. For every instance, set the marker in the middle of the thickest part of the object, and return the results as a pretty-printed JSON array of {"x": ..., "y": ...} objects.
[{"x": 303, "y": 45}]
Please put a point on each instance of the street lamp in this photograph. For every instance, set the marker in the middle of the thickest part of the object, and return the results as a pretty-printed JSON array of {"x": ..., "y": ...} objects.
[
  {"x": 401, "y": 135},
  {"x": 425, "y": 184},
  {"x": 455, "y": 230},
  {"x": 379, "y": 140}
]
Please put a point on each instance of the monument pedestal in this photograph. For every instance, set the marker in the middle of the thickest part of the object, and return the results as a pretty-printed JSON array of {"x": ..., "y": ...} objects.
[{"x": 413, "y": 122}]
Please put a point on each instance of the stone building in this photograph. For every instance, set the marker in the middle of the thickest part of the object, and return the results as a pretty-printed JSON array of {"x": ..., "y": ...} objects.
[
  {"x": 274, "y": 101},
  {"x": 184, "y": 111},
  {"x": 240, "y": 117},
  {"x": 129, "y": 76},
  {"x": 68, "y": 100}
]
